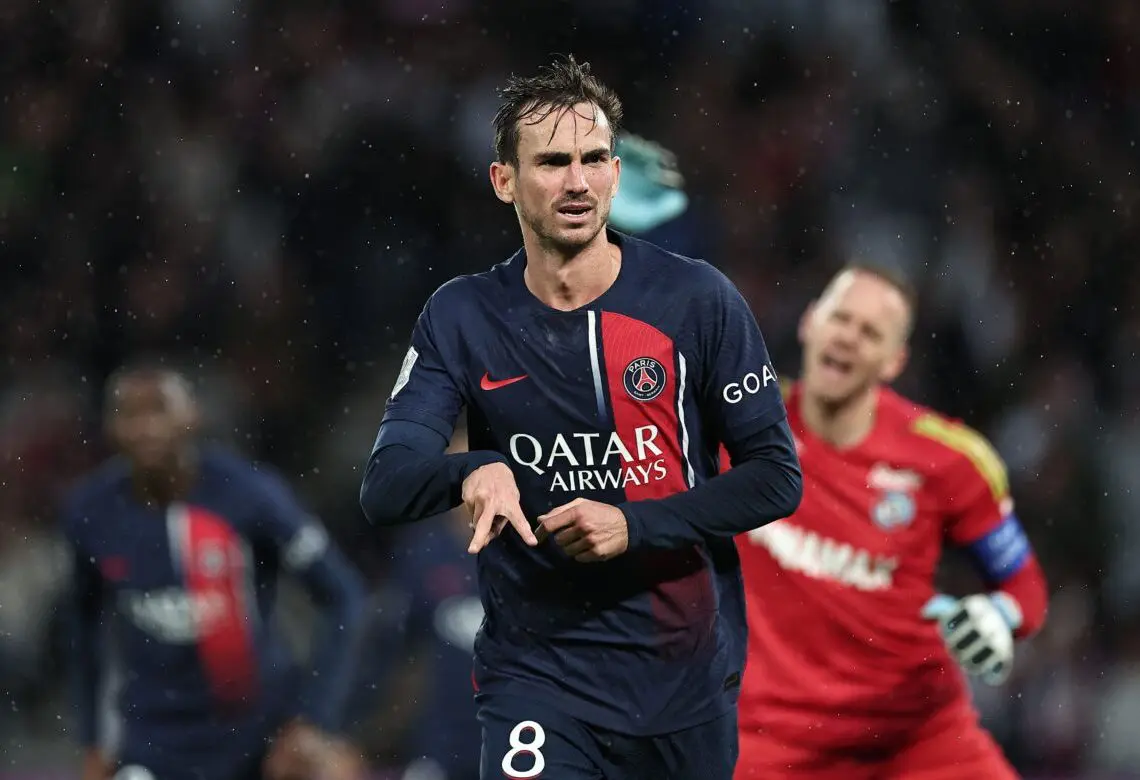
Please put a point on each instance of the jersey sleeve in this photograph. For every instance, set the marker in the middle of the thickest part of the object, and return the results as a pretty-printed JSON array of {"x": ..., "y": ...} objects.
[
  {"x": 426, "y": 391},
  {"x": 974, "y": 483},
  {"x": 979, "y": 509},
  {"x": 981, "y": 518},
  {"x": 409, "y": 476},
  {"x": 304, "y": 550},
  {"x": 739, "y": 390},
  {"x": 742, "y": 406}
]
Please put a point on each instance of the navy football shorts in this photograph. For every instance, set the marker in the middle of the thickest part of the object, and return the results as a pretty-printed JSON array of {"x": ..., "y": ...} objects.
[{"x": 525, "y": 739}]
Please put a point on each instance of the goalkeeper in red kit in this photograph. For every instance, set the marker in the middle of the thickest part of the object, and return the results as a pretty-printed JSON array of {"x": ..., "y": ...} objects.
[{"x": 855, "y": 666}]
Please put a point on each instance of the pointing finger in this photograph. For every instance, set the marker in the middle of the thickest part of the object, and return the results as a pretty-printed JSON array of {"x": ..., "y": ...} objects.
[
  {"x": 482, "y": 533},
  {"x": 519, "y": 521}
]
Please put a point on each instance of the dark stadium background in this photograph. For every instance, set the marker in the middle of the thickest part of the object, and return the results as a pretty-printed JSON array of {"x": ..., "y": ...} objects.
[{"x": 265, "y": 191}]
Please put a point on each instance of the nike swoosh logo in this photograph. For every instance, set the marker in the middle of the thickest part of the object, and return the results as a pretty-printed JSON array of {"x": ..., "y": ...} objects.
[{"x": 487, "y": 383}]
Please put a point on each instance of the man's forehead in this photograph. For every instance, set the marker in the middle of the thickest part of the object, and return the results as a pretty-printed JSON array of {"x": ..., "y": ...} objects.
[
  {"x": 868, "y": 293},
  {"x": 856, "y": 285},
  {"x": 583, "y": 124}
]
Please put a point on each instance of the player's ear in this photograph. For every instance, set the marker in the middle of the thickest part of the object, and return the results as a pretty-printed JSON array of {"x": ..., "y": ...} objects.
[
  {"x": 616, "y": 162},
  {"x": 503, "y": 181},
  {"x": 805, "y": 321}
]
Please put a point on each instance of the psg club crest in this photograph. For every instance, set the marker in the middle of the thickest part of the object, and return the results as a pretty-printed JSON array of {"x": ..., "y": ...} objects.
[
  {"x": 894, "y": 510},
  {"x": 644, "y": 379}
]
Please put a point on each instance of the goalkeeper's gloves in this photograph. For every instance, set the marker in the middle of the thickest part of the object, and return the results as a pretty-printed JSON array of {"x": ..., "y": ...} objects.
[
  {"x": 978, "y": 631},
  {"x": 652, "y": 188}
]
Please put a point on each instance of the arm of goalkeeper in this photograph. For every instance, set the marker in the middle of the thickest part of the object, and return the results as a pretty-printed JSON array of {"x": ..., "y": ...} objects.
[{"x": 980, "y": 629}]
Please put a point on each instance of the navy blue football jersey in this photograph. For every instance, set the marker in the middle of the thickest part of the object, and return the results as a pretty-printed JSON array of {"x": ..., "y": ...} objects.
[
  {"x": 622, "y": 401},
  {"x": 187, "y": 592}
]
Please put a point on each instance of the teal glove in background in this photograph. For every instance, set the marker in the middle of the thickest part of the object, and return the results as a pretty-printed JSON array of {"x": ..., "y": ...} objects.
[{"x": 651, "y": 191}]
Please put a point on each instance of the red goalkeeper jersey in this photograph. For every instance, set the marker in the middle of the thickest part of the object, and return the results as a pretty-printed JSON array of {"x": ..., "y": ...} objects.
[{"x": 838, "y": 651}]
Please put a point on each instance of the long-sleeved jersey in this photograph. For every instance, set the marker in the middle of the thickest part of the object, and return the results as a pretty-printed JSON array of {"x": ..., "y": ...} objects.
[
  {"x": 187, "y": 592},
  {"x": 621, "y": 401}
]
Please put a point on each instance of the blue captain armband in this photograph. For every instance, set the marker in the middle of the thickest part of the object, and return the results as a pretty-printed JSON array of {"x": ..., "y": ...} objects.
[{"x": 1003, "y": 551}]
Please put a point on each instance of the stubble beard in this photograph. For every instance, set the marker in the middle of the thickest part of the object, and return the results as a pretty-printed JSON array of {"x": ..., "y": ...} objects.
[{"x": 564, "y": 242}]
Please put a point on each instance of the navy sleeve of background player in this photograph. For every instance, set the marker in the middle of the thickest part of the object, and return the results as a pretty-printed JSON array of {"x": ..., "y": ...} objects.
[
  {"x": 408, "y": 476},
  {"x": 85, "y": 643},
  {"x": 741, "y": 405},
  {"x": 306, "y": 552}
]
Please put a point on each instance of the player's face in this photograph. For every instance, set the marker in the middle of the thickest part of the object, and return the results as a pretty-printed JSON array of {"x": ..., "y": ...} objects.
[
  {"x": 565, "y": 179},
  {"x": 149, "y": 418},
  {"x": 854, "y": 337}
]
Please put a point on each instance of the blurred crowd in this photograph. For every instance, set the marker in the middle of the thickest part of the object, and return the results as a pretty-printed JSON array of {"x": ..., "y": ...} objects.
[{"x": 264, "y": 192}]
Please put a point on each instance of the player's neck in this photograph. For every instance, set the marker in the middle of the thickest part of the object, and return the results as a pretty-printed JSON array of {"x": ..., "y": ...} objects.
[
  {"x": 842, "y": 426},
  {"x": 160, "y": 487},
  {"x": 569, "y": 282}
]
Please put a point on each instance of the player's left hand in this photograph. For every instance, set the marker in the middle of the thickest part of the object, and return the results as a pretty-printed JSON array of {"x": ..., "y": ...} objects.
[
  {"x": 978, "y": 631},
  {"x": 587, "y": 531}
]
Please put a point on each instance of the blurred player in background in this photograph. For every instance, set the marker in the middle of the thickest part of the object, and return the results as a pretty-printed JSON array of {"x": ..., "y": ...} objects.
[
  {"x": 424, "y": 651},
  {"x": 183, "y": 544},
  {"x": 853, "y": 657},
  {"x": 434, "y": 577},
  {"x": 591, "y": 366}
]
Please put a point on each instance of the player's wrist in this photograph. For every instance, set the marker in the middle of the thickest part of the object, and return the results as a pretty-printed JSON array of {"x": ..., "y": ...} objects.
[
  {"x": 634, "y": 527},
  {"x": 470, "y": 462},
  {"x": 462, "y": 465}
]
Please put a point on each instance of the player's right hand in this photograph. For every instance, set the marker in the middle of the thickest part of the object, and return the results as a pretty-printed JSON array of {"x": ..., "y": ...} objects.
[
  {"x": 491, "y": 495},
  {"x": 96, "y": 765}
]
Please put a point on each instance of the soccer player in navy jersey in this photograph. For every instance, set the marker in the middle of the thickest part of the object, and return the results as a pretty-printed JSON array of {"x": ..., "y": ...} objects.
[
  {"x": 437, "y": 611},
  {"x": 180, "y": 545},
  {"x": 597, "y": 373},
  {"x": 595, "y": 370}
]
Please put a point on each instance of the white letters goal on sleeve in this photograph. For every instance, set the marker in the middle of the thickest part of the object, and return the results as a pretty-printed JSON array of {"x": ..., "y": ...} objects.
[{"x": 750, "y": 384}]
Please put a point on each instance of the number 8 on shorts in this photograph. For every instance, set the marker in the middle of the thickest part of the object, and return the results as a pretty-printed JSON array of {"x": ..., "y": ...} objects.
[{"x": 536, "y": 738}]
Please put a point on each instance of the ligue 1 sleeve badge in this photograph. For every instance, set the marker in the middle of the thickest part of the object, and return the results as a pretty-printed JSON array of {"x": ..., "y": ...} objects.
[{"x": 644, "y": 379}]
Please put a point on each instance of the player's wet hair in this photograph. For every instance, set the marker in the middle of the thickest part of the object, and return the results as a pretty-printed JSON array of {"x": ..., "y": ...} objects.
[
  {"x": 559, "y": 86},
  {"x": 894, "y": 278}
]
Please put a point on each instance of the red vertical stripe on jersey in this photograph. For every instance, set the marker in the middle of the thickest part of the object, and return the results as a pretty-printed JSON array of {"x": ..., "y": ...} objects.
[
  {"x": 214, "y": 568},
  {"x": 725, "y": 460},
  {"x": 682, "y": 595}
]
